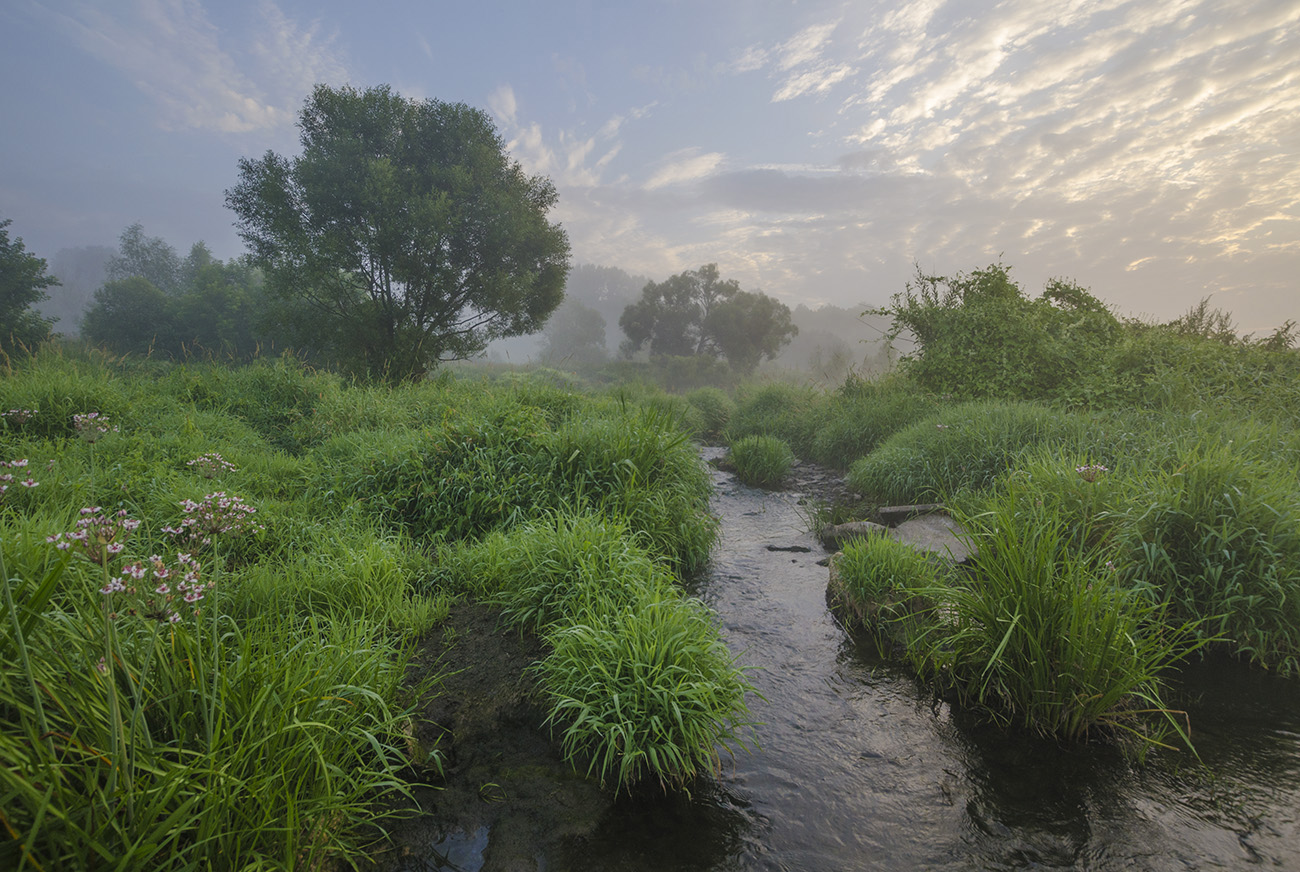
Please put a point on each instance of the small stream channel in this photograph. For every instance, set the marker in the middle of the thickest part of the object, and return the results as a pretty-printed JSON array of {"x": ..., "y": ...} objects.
[{"x": 858, "y": 767}]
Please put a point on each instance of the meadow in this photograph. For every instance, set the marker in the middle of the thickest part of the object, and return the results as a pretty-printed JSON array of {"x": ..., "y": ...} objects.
[{"x": 214, "y": 577}]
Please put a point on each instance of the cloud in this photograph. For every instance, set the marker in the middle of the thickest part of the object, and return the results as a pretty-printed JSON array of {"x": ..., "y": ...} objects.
[
  {"x": 686, "y": 165},
  {"x": 503, "y": 105},
  {"x": 172, "y": 52}
]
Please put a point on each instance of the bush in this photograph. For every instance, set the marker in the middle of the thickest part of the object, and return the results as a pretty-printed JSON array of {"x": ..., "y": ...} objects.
[{"x": 761, "y": 461}]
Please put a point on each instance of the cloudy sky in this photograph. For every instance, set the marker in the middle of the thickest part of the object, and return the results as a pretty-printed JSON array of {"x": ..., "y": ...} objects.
[{"x": 1149, "y": 149}]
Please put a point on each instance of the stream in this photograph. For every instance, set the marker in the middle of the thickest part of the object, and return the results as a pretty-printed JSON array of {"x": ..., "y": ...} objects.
[
  {"x": 856, "y": 767},
  {"x": 859, "y": 768}
]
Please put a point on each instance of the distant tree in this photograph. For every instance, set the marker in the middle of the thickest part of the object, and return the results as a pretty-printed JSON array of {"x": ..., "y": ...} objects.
[
  {"x": 670, "y": 316},
  {"x": 80, "y": 270},
  {"x": 698, "y": 313},
  {"x": 575, "y": 335},
  {"x": 748, "y": 328},
  {"x": 149, "y": 257},
  {"x": 405, "y": 226},
  {"x": 131, "y": 316},
  {"x": 23, "y": 281}
]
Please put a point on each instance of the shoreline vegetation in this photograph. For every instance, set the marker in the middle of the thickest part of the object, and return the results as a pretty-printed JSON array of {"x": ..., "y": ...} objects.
[{"x": 215, "y": 577}]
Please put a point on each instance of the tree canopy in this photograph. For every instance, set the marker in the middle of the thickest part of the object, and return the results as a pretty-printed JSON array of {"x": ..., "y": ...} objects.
[
  {"x": 696, "y": 312},
  {"x": 23, "y": 281},
  {"x": 405, "y": 227}
]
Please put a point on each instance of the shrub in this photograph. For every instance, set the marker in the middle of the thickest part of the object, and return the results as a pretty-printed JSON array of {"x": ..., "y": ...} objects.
[{"x": 761, "y": 461}]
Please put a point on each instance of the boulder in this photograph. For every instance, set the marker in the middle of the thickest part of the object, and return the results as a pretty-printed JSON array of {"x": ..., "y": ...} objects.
[
  {"x": 935, "y": 534},
  {"x": 834, "y": 536}
]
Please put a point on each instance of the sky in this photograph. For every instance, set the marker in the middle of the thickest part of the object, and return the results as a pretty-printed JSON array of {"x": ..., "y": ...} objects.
[{"x": 817, "y": 151}]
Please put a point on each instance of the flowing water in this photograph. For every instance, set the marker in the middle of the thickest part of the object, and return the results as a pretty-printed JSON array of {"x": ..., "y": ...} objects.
[{"x": 859, "y": 768}]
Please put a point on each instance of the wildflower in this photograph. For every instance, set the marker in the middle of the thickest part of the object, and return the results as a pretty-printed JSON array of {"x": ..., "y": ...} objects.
[
  {"x": 1091, "y": 471},
  {"x": 217, "y": 515},
  {"x": 210, "y": 465},
  {"x": 92, "y": 426},
  {"x": 98, "y": 535}
]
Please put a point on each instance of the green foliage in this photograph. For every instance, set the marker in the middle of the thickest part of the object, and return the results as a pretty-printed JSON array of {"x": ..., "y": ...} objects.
[
  {"x": 574, "y": 336},
  {"x": 1044, "y": 636},
  {"x": 965, "y": 446},
  {"x": 748, "y": 328},
  {"x": 886, "y": 587},
  {"x": 647, "y": 692},
  {"x": 23, "y": 281},
  {"x": 1217, "y": 539},
  {"x": 761, "y": 461},
  {"x": 636, "y": 464},
  {"x": 696, "y": 313},
  {"x": 978, "y": 336},
  {"x": 862, "y": 414},
  {"x": 408, "y": 229},
  {"x": 715, "y": 408},
  {"x": 791, "y": 413}
]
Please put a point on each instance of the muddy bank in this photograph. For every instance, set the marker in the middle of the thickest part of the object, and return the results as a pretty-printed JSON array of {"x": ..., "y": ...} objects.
[{"x": 507, "y": 800}]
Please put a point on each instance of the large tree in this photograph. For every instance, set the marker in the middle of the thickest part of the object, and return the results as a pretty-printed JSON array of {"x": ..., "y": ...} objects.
[
  {"x": 698, "y": 313},
  {"x": 406, "y": 227},
  {"x": 23, "y": 281}
]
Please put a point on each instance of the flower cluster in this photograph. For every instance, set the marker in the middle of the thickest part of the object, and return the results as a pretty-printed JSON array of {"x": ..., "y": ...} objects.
[
  {"x": 210, "y": 465},
  {"x": 216, "y": 515},
  {"x": 7, "y": 478},
  {"x": 92, "y": 426},
  {"x": 1091, "y": 471},
  {"x": 173, "y": 587},
  {"x": 98, "y": 535},
  {"x": 18, "y": 416}
]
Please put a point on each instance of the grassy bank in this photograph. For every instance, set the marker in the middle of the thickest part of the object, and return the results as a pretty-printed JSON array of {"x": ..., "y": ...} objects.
[{"x": 213, "y": 578}]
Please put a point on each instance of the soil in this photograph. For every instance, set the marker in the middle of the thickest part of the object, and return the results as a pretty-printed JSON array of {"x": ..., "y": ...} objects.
[{"x": 506, "y": 800}]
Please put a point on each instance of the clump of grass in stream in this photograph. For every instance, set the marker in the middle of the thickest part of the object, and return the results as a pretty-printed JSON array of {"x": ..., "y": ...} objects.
[
  {"x": 715, "y": 412},
  {"x": 646, "y": 692},
  {"x": 1217, "y": 539},
  {"x": 635, "y": 464},
  {"x": 886, "y": 586},
  {"x": 862, "y": 414},
  {"x": 638, "y": 681},
  {"x": 1042, "y": 634},
  {"x": 761, "y": 461},
  {"x": 789, "y": 412}
]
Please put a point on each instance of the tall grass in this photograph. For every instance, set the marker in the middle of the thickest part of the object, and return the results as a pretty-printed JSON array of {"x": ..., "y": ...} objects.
[
  {"x": 1044, "y": 636},
  {"x": 761, "y": 461}
]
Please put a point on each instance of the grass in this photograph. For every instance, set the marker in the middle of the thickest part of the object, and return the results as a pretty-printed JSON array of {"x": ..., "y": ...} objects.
[
  {"x": 267, "y": 727},
  {"x": 761, "y": 461}
]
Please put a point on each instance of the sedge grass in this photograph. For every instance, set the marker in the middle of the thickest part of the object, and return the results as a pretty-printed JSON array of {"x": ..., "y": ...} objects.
[{"x": 761, "y": 461}]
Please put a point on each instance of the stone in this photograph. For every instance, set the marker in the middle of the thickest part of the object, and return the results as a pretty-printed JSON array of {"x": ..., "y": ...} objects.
[
  {"x": 936, "y": 534},
  {"x": 894, "y": 515},
  {"x": 834, "y": 536}
]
